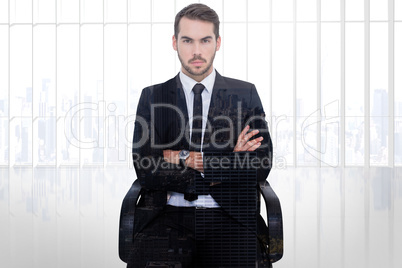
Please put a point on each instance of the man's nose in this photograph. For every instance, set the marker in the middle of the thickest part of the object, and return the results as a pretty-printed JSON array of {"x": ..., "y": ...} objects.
[{"x": 196, "y": 49}]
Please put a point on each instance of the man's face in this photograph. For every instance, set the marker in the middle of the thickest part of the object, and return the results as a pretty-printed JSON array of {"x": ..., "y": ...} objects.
[{"x": 196, "y": 46}]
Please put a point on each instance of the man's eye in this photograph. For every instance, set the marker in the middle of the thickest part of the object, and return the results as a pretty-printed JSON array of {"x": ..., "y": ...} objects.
[
  {"x": 206, "y": 40},
  {"x": 186, "y": 41}
]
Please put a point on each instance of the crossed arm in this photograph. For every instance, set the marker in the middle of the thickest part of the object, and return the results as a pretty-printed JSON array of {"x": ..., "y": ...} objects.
[
  {"x": 195, "y": 160},
  {"x": 159, "y": 169}
]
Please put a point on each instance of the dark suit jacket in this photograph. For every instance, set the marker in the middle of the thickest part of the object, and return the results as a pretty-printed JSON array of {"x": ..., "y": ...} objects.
[{"x": 161, "y": 124}]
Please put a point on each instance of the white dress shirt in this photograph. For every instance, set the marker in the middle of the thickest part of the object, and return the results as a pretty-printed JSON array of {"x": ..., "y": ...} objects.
[{"x": 174, "y": 198}]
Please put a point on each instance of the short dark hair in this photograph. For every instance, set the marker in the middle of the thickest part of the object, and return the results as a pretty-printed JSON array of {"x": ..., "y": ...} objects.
[{"x": 197, "y": 12}]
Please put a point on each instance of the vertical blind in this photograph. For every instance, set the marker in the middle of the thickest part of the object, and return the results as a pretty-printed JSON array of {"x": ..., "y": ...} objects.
[{"x": 71, "y": 72}]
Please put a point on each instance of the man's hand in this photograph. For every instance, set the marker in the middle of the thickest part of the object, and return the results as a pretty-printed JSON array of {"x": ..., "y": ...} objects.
[
  {"x": 171, "y": 156},
  {"x": 245, "y": 144},
  {"x": 194, "y": 161}
]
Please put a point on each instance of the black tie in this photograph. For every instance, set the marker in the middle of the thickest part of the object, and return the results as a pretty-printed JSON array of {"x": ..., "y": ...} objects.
[
  {"x": 196, "y": 132},
  {"x": 197, "y": 118}
]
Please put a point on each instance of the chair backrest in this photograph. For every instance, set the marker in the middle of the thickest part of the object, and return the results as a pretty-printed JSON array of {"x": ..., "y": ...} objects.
[
  {"x": 273, "y": 209},
  {"x": 127, "y": 212},
  {"x": 274, "y": 218}
]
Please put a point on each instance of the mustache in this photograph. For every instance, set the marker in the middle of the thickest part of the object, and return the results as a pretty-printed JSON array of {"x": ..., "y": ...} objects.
[{"x": 197, "y": 57}]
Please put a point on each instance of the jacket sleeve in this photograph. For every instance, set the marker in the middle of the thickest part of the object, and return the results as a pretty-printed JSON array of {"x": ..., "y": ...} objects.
[
  {"x": 152, "y": 171},
  {"x": 223, "y": 166}
]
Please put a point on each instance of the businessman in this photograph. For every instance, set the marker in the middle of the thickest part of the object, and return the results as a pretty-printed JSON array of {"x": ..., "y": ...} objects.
[{"x": 193, "y": 136}]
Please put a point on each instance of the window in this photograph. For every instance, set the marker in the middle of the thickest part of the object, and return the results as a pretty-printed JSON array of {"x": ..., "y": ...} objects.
[{"x": 71, "y": 73}]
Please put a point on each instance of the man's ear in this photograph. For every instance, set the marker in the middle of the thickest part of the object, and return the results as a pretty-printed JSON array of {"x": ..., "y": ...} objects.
[
  {"x": 218, "y": 43},
  {"x": 174, "y": 42}
]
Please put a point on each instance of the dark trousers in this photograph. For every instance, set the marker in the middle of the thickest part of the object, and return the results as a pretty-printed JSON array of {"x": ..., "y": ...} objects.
[{"x": 173, "y": 237}]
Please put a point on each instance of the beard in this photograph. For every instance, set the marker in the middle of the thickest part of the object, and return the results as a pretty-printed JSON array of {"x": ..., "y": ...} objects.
[{"x": 198, "y": 71}]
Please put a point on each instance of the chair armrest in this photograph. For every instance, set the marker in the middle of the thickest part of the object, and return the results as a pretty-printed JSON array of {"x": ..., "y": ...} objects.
[
  {"x": 127, "y": 220},
  {"x": 274, "y": 219}
]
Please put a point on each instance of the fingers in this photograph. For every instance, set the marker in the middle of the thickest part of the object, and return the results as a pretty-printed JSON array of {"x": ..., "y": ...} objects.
[
  {"x": 251, "y": 134},
  {"x": 255, "y": 145},
  {"x": 244, "y": 136},
  {"x": 244, "y": 131},
  {"x": 166, "y": 154},
  {"x": 171, "y": 156},
  {"x": 195, "y": 161},
  {"x": 244, "y": 143}
]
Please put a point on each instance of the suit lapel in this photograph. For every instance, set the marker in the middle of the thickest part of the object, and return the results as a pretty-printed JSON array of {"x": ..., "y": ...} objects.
[
  {"x": 215, "y": 109},
  {"x": 217, "y": 104},
  {"x": 178, "y": 94}
]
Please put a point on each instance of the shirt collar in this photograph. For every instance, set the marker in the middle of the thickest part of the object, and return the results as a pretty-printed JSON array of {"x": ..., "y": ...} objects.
[{"x": 188, "y": 83}]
